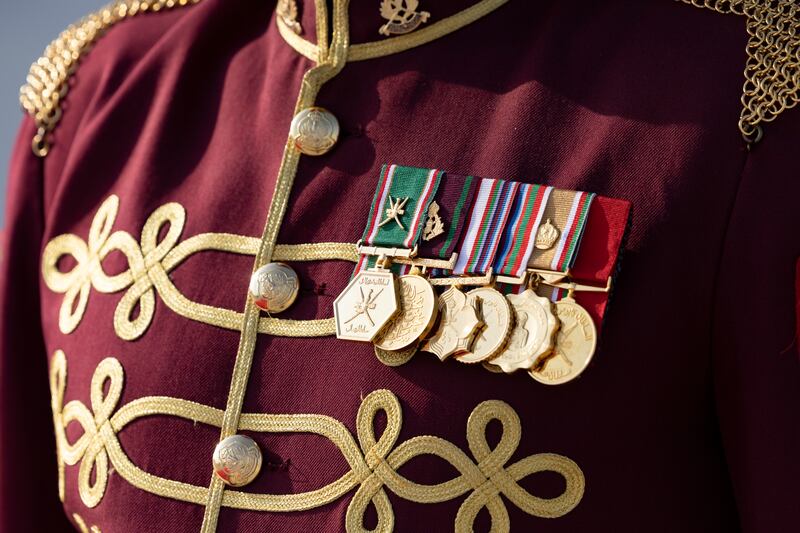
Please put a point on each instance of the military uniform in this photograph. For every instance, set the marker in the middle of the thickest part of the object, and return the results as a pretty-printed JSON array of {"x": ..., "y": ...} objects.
[{"x": 161, "y": 176}]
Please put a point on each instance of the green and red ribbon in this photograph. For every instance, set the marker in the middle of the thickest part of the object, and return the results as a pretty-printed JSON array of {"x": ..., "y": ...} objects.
[
  {"x": 519, "y": 237},
  {"x": 399, "y": 208},
  {"x": 406, "y": 192}
]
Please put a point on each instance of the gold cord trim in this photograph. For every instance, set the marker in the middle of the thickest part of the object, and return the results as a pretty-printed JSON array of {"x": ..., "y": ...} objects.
[
  {"x": 772, "y": 71},
  {"x": 373, "y": 460},
  {"x": 47, "y": 79},
  {"x": 393, "y": 45},
  {"x": 149, "y": 265},
  {"x": 82, "y": 525},
  {"x": 328, "y": 66}
]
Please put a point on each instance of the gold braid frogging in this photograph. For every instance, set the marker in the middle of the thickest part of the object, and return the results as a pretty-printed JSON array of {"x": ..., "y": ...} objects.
[
  {"x": 149, "y": 265},
  {"x": 772, "y": 70},
  {"x": 373, "y": 460},
  {"x": 82, "y": 525}
]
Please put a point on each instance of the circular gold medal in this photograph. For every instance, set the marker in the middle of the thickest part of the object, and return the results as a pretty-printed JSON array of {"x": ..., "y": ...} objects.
[
  {"x": 575, "y": 345},
  {"x": 457, "y": 326},
  {"x": 498, "y": 319},
  {"x": 533, "y": 335},
  {"x": 415, "y": 317},
  {"x": 396, "y": 357}
]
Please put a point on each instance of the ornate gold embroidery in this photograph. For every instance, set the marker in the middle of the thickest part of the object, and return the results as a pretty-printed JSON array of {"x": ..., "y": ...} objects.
[
  {"x": 58, "y": 383},
  {"x": 82, "y": 524},
  {"x": 149, "y": 266},
  {"x": 374, "y": 460},
  {"x": 772, "y": 71},
  {"x": 47, "y": 79}
]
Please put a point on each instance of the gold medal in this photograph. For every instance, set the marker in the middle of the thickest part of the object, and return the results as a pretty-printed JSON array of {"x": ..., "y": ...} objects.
[
  {"x": 575, "y": 345},
  {"x": 457, "y": 326},
  {"x": 415, "y": 318},
  {"x": 396, "y": 357},
  {"x": 365, "y": 306},
  {"x": 534, "y": 334},
  {"x": 498, "y": 319}
]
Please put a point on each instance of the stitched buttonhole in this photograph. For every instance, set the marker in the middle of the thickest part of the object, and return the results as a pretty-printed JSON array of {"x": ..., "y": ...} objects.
[{"x": 319, "y": 289}]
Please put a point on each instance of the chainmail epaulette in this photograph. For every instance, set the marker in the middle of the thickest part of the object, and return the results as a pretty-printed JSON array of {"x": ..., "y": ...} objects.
[
  {"x": 48, "y": 78},
  {"x": 772, "y": 71}
]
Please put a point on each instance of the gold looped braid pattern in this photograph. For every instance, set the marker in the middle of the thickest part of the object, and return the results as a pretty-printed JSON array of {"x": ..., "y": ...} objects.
[
  {"x": 149, "y": 265},
  {"x": 486, "y": 477}
]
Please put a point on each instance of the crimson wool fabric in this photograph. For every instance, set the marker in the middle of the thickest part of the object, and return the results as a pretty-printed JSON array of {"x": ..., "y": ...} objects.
[{"x": 685, "y": 421}]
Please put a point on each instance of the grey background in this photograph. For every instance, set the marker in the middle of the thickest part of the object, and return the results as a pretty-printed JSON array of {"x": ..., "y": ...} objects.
[{"x": 26, "y": 28}]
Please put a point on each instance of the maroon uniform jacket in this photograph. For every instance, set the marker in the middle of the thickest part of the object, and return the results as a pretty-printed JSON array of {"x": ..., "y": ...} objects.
[{"x": 128, "y": 249}]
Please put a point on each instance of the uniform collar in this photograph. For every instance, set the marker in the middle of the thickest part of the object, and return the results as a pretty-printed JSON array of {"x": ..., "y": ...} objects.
[{"x": 365, "y": 20}]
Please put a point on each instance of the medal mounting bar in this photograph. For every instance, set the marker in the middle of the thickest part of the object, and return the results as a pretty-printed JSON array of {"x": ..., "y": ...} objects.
[
  {"x": 444, "y": 264},
  {"x": 407, "y": 256},
  {"x": 545, "y": 276},
  {"x": 385, "y": 251},
  {"x": 486, "y": 279},
  {"x": 559, "y": 280}
]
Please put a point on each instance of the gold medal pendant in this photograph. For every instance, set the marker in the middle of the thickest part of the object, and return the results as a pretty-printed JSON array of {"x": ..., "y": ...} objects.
[
  {"x": 534, "y": 333},
  {"x": 415, "y": 318},
  {"x": 396, "y": 357},
  {"x": 576, "y": 342},
  {"x": 458, "y": 323},
  {"x": 498, "y": 318},
  {"x": 365, "y": 306}
]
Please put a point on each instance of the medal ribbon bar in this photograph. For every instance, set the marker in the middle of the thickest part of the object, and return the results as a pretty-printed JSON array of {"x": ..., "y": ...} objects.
[
  {"x": 486, "y": 222},
  {"x": 520, "y": 234}
]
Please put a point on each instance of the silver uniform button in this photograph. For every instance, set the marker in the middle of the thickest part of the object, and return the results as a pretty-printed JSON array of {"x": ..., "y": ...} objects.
[
  {"x": 237, "y": 460},
  {"x": 314, "y": 130},
  {"x": 274, "y": 287}
]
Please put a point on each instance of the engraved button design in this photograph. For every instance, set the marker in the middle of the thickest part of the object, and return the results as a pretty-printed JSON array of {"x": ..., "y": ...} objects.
[
  {"x": 274, "y": 287},
  {"x": 237, "y": 460},
  {"x": 314, "y": 130}
]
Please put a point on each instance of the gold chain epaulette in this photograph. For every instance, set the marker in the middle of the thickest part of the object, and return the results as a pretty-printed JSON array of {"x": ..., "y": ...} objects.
[
  {"x": 772, "y": 71},
  {"x": 47, "y": 81}
]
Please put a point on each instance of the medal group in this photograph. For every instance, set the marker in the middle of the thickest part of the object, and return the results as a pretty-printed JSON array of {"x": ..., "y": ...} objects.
[{"x": 499, "y": 253}]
